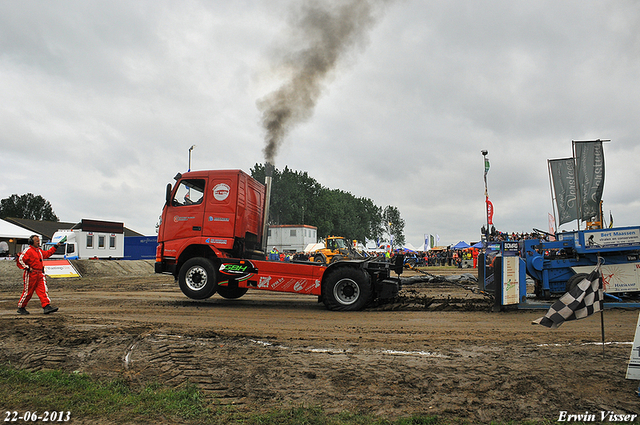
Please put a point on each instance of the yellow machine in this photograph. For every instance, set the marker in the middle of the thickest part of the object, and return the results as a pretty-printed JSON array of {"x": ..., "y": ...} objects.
[{"x": 336, "y": 248}]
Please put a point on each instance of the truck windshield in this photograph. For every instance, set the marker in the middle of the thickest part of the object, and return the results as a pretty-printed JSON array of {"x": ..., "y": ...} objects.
[{"x": 189, "y": 192}]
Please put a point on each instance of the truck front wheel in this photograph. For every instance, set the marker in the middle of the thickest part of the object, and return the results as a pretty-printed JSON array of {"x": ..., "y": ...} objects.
[
  {"x": 346, "y": 289},
  {"x": 198, "y": 278}
]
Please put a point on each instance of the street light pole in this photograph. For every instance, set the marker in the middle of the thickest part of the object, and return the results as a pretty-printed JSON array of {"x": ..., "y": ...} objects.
[
  {"x": 486, "y": 192},
  {"x": 190, "y": 149}
]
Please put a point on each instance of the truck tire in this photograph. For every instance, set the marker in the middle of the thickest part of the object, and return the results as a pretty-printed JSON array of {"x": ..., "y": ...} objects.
[
  {"x": 346, "y": 289},
  {"x": 336, "y": 258},
  {"x": 231, "y": 293},
  {"x": 198, "y": 279},
  {"x": 574, "y": 280}
]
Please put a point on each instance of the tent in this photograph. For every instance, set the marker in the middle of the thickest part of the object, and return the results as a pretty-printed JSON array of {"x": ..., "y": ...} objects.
[
  {"x": 9, "y": 230},
  {"x": 461, "y": 245},
  {"x": 13, "y": 236},
  {"x": 477, "y": 245},
  {"x": 409, "y": 247}
]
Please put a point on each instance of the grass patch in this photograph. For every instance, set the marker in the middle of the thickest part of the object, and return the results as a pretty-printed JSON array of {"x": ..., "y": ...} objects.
[
  {"x": 116, "y": 401},
  {"x": 88, "y": 398}
]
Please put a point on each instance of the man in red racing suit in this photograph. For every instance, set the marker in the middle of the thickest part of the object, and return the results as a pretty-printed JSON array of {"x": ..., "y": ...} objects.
[{"x": 34, "y": 279}]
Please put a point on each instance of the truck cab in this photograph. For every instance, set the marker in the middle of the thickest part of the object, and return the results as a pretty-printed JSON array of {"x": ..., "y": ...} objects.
[
  {"x": 68, "y": 250},
  {"x": 212, "y": 214}
]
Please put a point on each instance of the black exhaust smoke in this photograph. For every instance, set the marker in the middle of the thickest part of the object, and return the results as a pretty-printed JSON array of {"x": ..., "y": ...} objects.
[{"x": 323, "y": 32}]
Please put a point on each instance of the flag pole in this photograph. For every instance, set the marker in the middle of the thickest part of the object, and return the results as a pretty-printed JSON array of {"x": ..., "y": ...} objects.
[
  {"x": 553, "y": 198},
  {"x": 577, "y": 186},
  {"x": 484, "y": 153},
  {"x": 602, "y": 328},
  {"x": 600, "y": 287}
]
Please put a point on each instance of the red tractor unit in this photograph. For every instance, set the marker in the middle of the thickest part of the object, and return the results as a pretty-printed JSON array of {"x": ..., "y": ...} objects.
[{"x": 211, "y": 238}]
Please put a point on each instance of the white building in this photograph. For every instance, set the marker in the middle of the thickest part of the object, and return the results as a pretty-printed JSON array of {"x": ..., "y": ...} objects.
[{"x": 291, "y": 238}]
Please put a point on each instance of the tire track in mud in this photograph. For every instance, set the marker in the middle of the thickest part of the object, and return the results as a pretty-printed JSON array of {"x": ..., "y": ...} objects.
[
  {"x": 178, "y": 360},
  {"x": 51, "y": 358},
  {"x": 234, "y": 369}
]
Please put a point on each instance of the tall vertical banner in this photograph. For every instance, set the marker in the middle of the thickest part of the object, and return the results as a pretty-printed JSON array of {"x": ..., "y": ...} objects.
[
  {"x": 552, "y": 227},
  {"x": 432, "y": 241},
  {"x": 563, "y": 176},
  {"x": 590, "y": 172},
  {"x": 426, "y": 242},
  {"x": 489, "y": 212}
]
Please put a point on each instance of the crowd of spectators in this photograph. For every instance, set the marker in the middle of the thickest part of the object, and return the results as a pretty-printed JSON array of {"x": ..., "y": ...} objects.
[
  {"x": 497, "y": 236},
  {"x": 461, "y": 258},
  {"x": 444, "y": 257}
]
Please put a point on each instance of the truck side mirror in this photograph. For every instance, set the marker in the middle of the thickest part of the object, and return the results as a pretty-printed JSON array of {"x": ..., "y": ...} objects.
[{"x": 167, "y": 197}]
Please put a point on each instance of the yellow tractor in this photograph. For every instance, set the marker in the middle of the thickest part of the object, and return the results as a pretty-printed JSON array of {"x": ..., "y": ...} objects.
[{"x": 336, "y": 248}]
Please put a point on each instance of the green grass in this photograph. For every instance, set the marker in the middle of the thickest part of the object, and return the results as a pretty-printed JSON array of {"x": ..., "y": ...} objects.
[
  {"x": 87, "y": 398},
  {"x": 116, "y": 401}
]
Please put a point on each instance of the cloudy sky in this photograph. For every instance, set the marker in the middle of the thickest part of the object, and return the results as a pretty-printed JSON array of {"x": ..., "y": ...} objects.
[{"x": 101, "y": 101}]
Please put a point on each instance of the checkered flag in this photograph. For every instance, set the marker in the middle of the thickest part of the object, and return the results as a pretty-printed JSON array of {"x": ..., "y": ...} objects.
[{"x": 582, "y": 301}]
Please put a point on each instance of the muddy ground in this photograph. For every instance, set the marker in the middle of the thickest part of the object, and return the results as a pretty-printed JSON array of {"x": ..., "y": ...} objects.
[{"x": 437, "y": 350}]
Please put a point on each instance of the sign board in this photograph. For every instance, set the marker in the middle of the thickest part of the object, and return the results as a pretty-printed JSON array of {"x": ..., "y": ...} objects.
[
  {"x": 59, "y": 268},
  {"x": 510, "y": 282},
  {"x": 633, "y": 370},
  {"x": 617, "y": 278},
  {"x": 612, "y": 238},
  {"x": 510, "y": 273}
]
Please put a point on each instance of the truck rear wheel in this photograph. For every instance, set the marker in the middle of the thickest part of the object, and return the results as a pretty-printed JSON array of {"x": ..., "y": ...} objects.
[
  {"x": 346, "y": 289},
  {"x": 198, "y": 279},
  {"x": 231, "y": 293}
]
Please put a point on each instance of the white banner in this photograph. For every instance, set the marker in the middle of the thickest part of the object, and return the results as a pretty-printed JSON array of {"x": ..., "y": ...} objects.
[{"x": 59, "y": 268}]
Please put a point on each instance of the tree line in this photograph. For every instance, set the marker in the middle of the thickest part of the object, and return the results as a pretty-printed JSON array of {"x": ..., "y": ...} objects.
[
  {"x": 28, "y": 206},
  {"x": 297, "y": 198}
]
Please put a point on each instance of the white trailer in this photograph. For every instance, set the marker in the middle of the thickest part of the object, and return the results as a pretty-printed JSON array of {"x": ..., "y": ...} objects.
[
  {"x": 94, "y": 239},
  {"x": 291, "y": 238}
]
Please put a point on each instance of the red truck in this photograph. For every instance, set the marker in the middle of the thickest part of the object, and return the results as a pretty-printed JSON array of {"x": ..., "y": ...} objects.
[{"x": 210, "y": 238}]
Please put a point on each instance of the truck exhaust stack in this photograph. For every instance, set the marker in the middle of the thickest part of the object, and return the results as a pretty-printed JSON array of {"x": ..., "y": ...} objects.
[{"x": 268, "y": 173}]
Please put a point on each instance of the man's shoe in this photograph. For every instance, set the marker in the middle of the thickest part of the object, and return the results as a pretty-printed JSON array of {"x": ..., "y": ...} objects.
[
  {"x": 48, "y": 309},
  {"x": 23, "y": 310}
]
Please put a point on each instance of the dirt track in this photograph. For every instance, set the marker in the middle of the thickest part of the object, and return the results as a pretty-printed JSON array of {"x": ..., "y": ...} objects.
[{"x": 268, "y": 349}]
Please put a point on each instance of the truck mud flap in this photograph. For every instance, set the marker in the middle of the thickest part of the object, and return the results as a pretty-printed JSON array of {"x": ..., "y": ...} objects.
[
  {"x": 162, "y": 267},
  {"x": 387, "y": 289}
]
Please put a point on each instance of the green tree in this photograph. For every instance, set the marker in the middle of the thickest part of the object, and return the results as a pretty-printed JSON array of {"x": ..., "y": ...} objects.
[
  {"x": 394, "y": 226},
  {"x": 297, "y": 198},
  {"x": 291, "y": 195},
  {"x": 29, "y": 206}
]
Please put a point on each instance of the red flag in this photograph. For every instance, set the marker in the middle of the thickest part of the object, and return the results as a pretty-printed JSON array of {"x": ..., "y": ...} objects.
[{"x": 489, "y": 212}]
